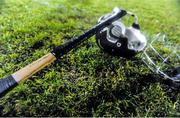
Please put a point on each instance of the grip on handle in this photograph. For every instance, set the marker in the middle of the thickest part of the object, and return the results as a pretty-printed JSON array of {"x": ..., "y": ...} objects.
[
  {"x": 6, "y": 84},
  {"x": 34, "y": 67}
]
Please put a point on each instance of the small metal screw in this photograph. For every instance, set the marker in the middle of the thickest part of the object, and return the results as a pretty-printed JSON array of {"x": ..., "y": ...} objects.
[{"x": 118, "y": 44}]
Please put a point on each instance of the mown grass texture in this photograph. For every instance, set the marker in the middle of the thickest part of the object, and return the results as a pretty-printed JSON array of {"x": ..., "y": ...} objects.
[{"x": 87, "y": 81}]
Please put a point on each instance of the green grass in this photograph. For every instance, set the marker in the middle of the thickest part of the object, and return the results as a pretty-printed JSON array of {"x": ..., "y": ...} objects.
[{"x": 86, "y": 82}]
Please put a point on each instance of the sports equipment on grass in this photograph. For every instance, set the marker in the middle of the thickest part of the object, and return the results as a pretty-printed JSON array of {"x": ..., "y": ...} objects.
[
  {"x": 112, "y": 36},
  {"x": 9, "y": 82},
  {"x": 158, "y": 53}
]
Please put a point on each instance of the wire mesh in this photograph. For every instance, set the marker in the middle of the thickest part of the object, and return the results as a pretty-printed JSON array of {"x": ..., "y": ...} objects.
[{"x": 162, "y": 56}]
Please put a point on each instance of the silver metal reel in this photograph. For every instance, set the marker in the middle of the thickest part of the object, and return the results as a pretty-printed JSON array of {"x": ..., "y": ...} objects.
[{"x": 119, "y": 39}]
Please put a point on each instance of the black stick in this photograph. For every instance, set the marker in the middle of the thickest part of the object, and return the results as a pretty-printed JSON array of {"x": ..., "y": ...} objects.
[{"x": 11, "y": 81}]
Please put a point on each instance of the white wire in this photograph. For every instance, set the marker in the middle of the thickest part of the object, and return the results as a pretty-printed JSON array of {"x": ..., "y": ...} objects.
[{"x": 151, "y": 64}]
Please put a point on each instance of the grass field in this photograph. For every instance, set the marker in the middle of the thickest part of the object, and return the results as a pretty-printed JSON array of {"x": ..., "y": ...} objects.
[{"x": 86, "y": 82}]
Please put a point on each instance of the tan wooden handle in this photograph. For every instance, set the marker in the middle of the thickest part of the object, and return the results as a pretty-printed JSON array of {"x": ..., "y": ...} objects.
[{"x": 34, "y": 67}]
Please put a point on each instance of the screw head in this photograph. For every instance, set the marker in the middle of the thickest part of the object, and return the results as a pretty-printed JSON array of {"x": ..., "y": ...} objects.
[{"x": 118, "y": 44}]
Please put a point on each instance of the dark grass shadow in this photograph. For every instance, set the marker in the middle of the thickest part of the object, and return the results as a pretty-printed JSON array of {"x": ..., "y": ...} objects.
[
  {"x": 132, "y": 88},
  {"x": 170, "y": 87},
  {"x": 126, "y": 91}
]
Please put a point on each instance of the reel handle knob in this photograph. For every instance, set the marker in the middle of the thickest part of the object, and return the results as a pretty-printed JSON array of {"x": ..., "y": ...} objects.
[{"x": 136, "y": 26}]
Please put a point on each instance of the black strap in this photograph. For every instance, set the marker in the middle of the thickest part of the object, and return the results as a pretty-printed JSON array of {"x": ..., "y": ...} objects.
[{"x": 6, "y": 84}]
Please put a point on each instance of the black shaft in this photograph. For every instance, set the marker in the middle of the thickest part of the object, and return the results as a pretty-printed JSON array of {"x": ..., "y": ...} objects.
[{"x": 68, "y": 46}]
